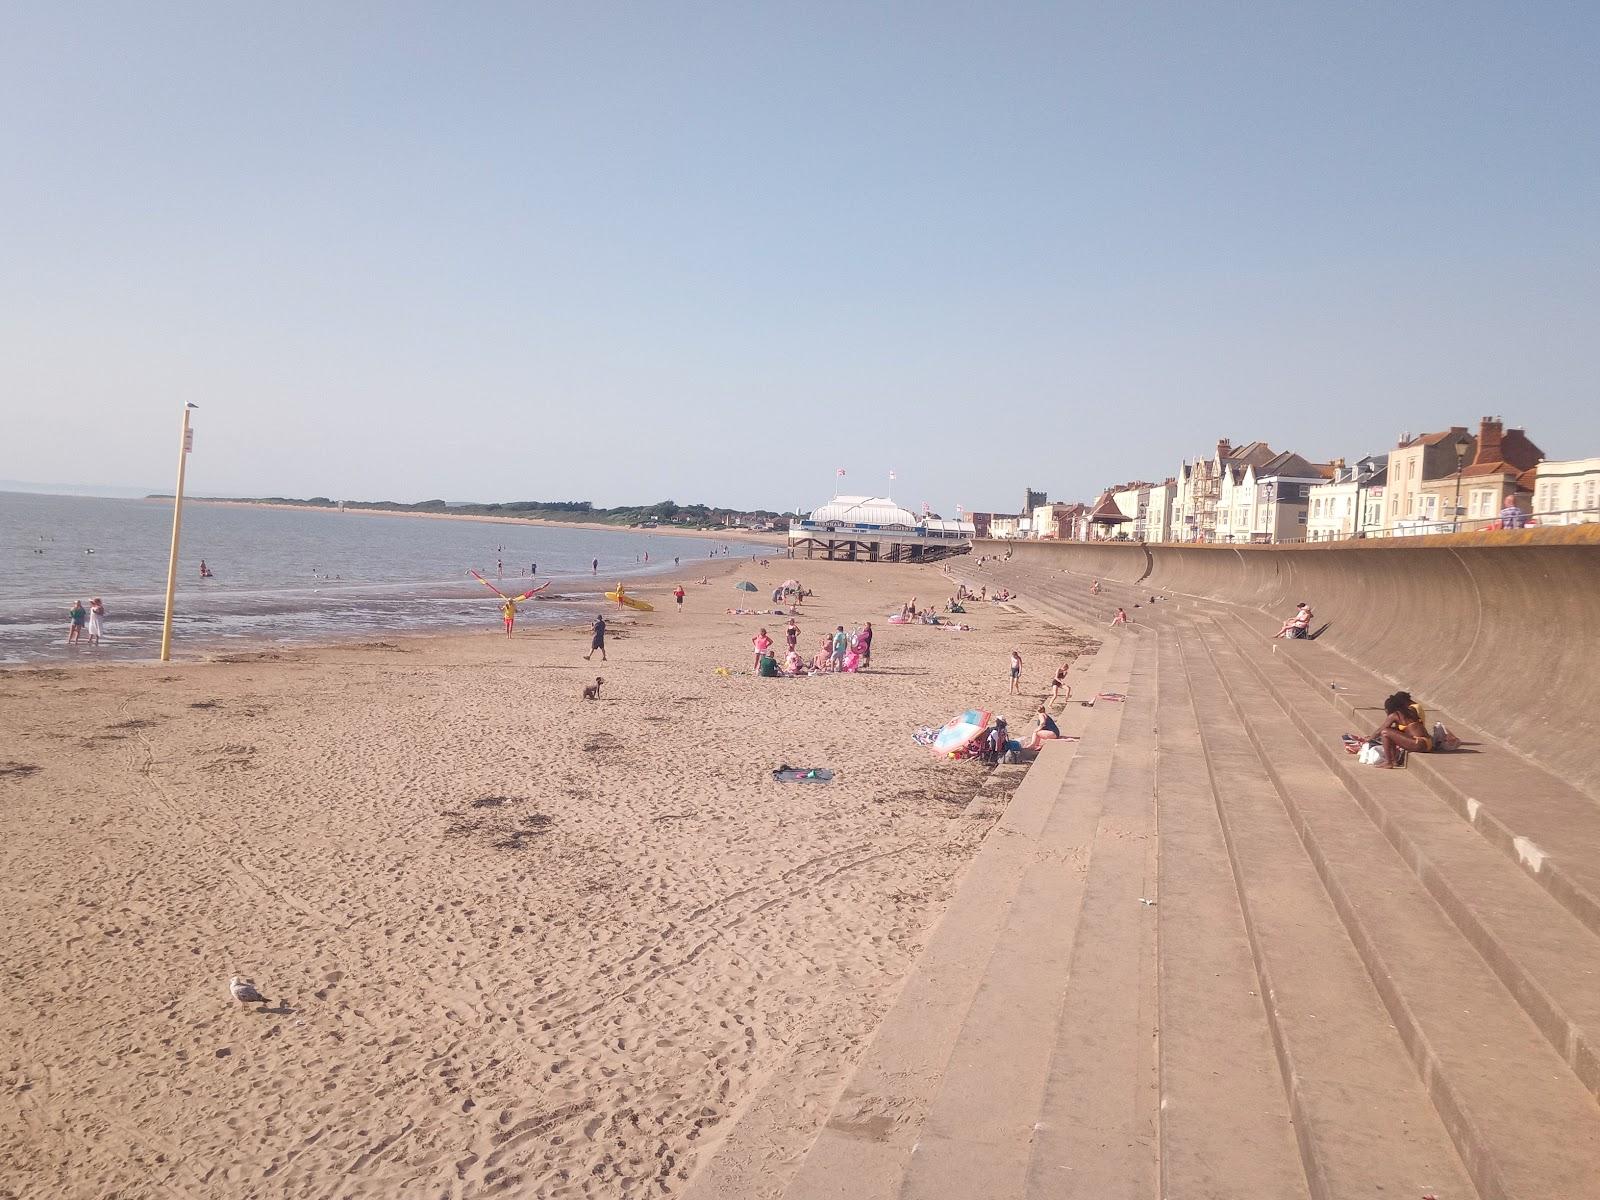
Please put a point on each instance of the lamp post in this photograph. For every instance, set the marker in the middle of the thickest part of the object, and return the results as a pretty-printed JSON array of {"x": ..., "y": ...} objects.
[
  {"x": 185, "y": 441},
  {"x": 1461, "y": 461}
]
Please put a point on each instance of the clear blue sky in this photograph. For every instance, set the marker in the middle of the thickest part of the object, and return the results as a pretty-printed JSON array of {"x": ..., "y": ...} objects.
[{"x": 713, "y": 251}]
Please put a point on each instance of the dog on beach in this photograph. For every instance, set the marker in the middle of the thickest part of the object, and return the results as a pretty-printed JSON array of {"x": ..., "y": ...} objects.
[{"x": 592, "y": 692}]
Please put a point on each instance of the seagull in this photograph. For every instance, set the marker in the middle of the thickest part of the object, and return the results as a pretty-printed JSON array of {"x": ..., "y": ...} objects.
[{"x": 244, "y": 990}]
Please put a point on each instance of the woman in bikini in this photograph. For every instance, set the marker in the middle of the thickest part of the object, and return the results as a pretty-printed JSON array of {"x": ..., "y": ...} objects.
[{"x": 1402, "y": 729}]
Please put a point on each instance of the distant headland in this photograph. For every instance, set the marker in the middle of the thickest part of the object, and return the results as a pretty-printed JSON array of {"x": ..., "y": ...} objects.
[{"x": 664, "y": 514}]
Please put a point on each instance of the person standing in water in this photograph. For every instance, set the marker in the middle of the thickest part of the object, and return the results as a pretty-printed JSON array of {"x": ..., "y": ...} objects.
[
  {"x": 97, "y": 616},
  {"x": 78, "y": 616},
  {"x": 594, "y": 566}
]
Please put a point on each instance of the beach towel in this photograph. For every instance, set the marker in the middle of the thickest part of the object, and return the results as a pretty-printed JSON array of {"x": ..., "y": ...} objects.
[
  {"x": 1110, "y": 696},
  {"x": 788, "y": 774},
  {"x": 925, "y": 736}
]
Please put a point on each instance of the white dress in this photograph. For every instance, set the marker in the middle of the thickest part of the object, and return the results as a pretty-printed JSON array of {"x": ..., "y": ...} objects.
[{"x": 94, "y": 624}]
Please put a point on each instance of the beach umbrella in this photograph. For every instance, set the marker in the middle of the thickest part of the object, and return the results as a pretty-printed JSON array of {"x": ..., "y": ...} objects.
[
  {"x": 746, "y": 586},
  {"x": 790, "y": 585},
  {"x": 961, "y": 729}
]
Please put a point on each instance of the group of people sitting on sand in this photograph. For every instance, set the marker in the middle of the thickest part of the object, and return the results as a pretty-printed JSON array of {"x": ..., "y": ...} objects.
[{"x": 839, "y": 652}]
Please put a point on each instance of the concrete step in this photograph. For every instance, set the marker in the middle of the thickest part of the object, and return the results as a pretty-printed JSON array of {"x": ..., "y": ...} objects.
[
  {"x": 1364, "y": 1122},
  {"x": 1227, "y": 1132},
  {"x": 976, "y": 1139},
  {"x": 1096, "y": 1132},
  {"x": 1546, "y": 957},
  {"x": 1533, "y": 816},
  {"x": 1521, "y": 1122},
  {"x": 863, "y": 1148}
]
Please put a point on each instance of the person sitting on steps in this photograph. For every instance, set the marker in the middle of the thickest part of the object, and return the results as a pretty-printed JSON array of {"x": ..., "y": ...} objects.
[
  {"x": 1299, "y": 625},
  {"x": 1402, "y": 731}
]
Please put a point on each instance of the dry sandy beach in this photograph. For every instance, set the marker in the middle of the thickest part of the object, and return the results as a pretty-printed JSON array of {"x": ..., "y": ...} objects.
[{"x": 512, "y": 943}]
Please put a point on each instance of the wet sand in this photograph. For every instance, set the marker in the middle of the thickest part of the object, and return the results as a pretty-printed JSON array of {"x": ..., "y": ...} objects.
[{"x": 512, "y": 941}]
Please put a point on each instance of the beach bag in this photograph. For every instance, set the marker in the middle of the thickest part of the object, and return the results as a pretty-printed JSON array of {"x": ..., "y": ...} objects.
[
  {"x": 1443, "y": 739},
  {"x": 1369, "y": 755}
]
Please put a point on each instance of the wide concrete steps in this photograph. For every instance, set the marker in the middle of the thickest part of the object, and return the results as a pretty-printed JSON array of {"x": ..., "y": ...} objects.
[{"x": 1207, "y": 955}]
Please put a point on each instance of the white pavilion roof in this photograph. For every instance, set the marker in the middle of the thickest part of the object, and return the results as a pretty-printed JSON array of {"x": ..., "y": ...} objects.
[{"x": 864, "y": 510}]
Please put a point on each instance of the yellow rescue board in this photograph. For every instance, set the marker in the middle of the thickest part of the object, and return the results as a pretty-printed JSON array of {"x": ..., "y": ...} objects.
[{"x": 641, "y": 605}]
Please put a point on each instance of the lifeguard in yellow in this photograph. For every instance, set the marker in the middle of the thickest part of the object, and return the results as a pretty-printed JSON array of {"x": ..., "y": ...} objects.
[{"x": 508, "y": 605}]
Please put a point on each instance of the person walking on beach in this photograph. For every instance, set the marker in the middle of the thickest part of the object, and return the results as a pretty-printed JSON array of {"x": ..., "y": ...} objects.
[
  {"x": 97, "y": 616},
  {"x": 79, "y": 616},
  {"x": 791, "y": 633},
  {"x": 762, "y": 643},
  {"x": 598, "y": 640},
  {"x": 1016, "y": 672},
  {"x": 841, "y": 645},
  {"x": 508, "y": 612},
  {"x": 677, "y": 594}
]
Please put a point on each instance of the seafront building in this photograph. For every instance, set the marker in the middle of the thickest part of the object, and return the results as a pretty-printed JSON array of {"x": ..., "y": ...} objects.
[
  {"x": 1199, "y": 488},
  {"x": 1567, "y": 493},
  {"x": 1350, "y": 503},
  {"x": 1503, "y": 471},
  {"x": 1408, "y": 506}
]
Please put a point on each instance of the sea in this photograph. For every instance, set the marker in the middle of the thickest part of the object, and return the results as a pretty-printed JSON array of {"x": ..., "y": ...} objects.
[{"x": 288, "y": 575}]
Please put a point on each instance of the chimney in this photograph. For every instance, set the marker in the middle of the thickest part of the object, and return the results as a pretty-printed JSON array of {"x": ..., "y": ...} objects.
[
  {"x": 1224, "y": 447},
  {"x": 1404, "y": 438},
  {"x": 1489, "y": 434}
]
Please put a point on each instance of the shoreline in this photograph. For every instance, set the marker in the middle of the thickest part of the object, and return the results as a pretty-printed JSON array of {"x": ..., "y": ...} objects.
[
  {"x": 658, "y": 592},
  {"x": 743, "y": 535}
]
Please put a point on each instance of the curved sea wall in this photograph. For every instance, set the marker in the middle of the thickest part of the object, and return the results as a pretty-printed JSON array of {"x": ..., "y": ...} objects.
[{"x": 1502, "y": 629}]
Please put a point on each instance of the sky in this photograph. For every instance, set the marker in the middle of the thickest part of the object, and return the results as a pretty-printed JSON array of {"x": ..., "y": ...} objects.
[{"x": 715, "y": 252}]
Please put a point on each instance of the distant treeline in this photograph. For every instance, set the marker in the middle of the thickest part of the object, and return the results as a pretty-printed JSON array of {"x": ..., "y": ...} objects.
[{"x": 664, "y": 512}]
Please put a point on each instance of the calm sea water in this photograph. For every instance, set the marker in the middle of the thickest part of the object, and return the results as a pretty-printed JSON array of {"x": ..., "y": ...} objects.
[{"x": 284, "y": 574}]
